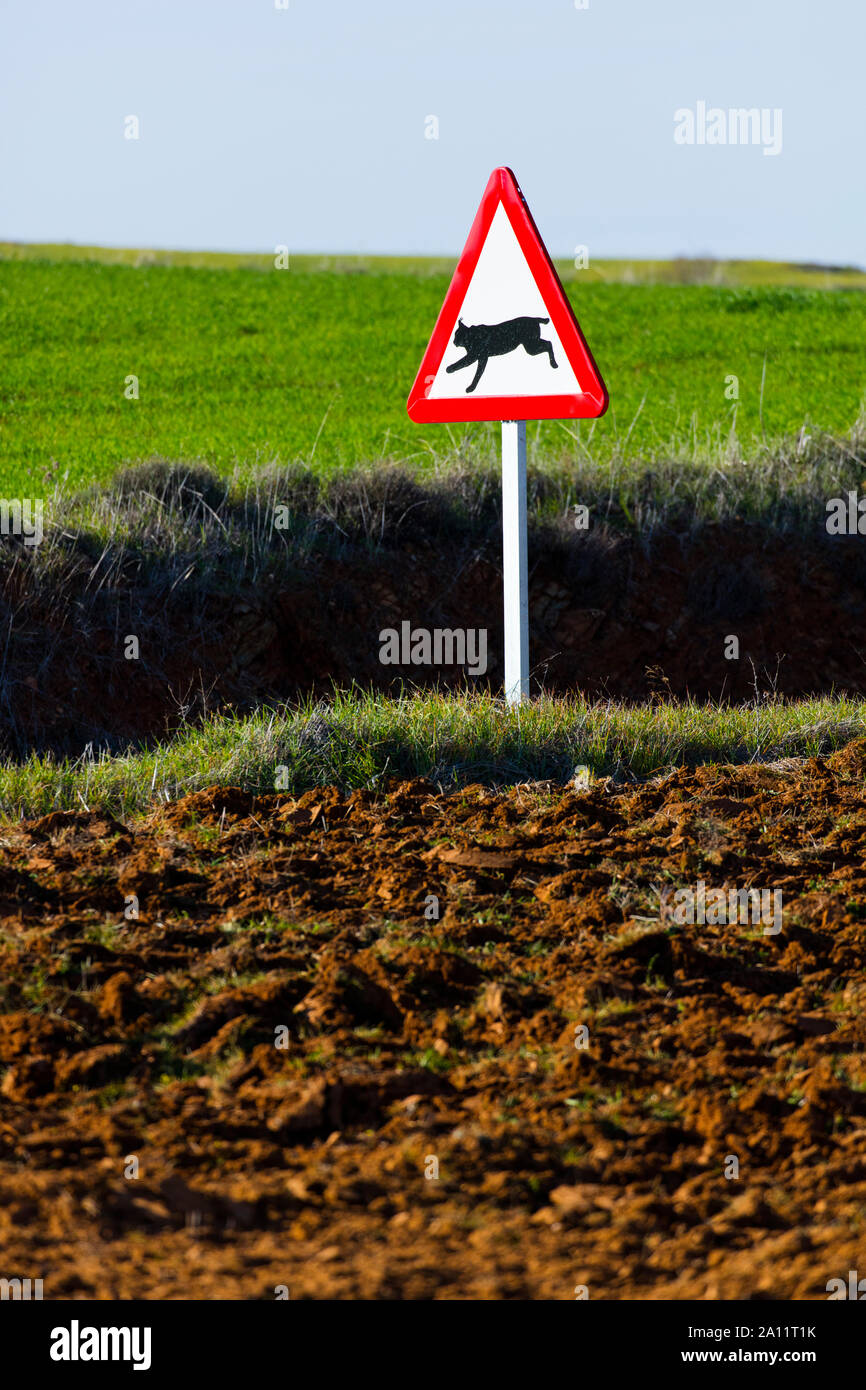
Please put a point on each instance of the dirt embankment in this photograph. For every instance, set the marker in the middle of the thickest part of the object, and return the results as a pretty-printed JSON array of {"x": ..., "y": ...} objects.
[
  {"x": 607, "y": 617},
  {"x": 436, "y": 1124}
]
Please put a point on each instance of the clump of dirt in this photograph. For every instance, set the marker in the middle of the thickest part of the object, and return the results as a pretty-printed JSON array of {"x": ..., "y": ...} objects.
[{"x": 410, "y": 1045}]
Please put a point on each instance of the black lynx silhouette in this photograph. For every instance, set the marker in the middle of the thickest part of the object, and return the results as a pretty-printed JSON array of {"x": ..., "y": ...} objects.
[{"x": 495, "y": 339}]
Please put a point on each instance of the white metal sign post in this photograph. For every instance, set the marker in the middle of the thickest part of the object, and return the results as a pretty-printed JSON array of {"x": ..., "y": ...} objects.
[
  {"x": 515, "y": 579},
  {"x": 508, "y": 347}
]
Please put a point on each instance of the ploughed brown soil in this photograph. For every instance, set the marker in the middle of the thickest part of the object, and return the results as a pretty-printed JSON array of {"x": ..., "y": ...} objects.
[
  {"x": 608, "y": 617},
  {"x": 418, "y": 1047}
]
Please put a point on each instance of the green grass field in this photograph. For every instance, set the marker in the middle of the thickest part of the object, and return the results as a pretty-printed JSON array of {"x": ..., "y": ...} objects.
[{"x": 239, "y": 364}]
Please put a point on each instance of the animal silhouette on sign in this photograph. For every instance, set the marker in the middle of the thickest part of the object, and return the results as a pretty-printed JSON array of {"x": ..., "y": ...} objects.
[{"x": 484, "y": 341}]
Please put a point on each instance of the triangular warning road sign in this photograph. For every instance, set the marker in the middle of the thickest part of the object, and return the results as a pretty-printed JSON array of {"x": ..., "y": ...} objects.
[{"x": 506, "y": 345}]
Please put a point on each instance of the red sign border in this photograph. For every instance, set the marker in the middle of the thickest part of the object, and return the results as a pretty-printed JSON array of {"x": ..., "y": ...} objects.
[{"x": 502, "y": 187}]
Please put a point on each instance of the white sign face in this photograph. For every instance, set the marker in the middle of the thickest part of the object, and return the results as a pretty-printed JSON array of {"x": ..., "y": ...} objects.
[{"x": 504, "y": 332}]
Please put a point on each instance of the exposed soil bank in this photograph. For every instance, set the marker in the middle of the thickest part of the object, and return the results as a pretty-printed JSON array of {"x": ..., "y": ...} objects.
[
  {"x": 430, "y": 1128},
  {"x": 608, "y": 617}
]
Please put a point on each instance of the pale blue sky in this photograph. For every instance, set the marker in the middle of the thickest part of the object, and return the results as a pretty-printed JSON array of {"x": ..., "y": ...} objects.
[{"x": 306, "y": 126}]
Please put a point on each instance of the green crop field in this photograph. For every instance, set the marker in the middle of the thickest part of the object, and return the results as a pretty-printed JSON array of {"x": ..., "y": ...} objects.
[{"x": 240, "y": 364}]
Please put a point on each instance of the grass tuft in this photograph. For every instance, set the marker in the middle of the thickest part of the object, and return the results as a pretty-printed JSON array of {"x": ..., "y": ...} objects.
[{"x": 359, "y": 739}]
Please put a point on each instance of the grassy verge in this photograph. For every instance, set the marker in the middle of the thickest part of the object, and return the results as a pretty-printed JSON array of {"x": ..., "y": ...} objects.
[
  {"x": 171, "y": 515},
  {"x": 357, "y": 739}
]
